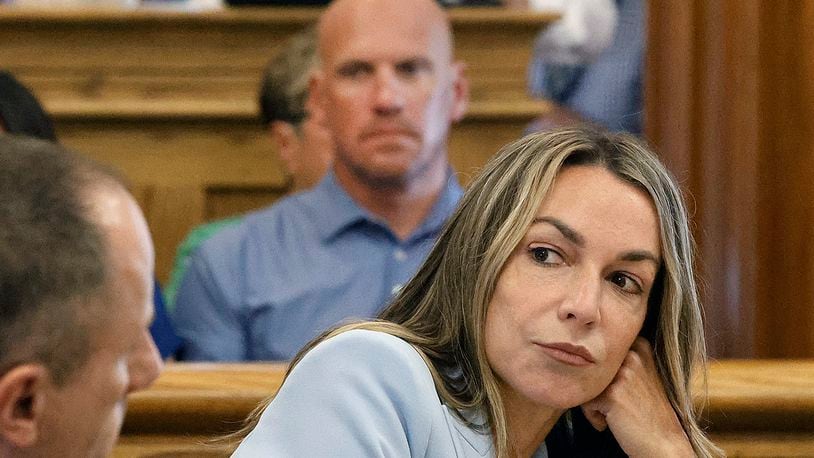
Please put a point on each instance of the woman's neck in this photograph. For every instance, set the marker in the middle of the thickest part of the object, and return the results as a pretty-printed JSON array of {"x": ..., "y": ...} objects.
[{"x": 528, "y": 424}]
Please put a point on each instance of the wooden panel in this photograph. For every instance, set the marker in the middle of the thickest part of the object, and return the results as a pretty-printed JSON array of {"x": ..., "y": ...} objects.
[
  {"x": 729, "y": 105},
  {"x": 786, "y": 220},
  {"x": 766, "y": 445},
  {"x": 170, "y": 211},
  {"x": 755, "y": 407},
  {"x": 225, "y": 201},
  {"x": 106, "y": 56},
  {"x": 201, "y": 398},
  {"x": 166, "y": 446}
]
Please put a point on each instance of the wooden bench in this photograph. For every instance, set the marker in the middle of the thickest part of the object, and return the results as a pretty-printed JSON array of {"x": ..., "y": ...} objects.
[{"x": 755, "y": 407}]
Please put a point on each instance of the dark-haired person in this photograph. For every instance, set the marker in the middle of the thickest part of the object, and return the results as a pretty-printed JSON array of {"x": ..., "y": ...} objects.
[
  {"x": 76, "y": 282},
  {"x": 22, "y": 114},
  {"x": 557, "y": 315}
]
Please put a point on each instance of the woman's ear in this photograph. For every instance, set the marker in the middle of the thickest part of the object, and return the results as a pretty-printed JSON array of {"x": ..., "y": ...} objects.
[{"x": 22, "y": 398}]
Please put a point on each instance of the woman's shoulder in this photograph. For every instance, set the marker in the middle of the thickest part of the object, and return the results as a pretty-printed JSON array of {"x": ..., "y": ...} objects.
[
  {"x": 368, "y": 342},
  {"x": 370, "y": 357},
  {"x": 359, "y": 393}
]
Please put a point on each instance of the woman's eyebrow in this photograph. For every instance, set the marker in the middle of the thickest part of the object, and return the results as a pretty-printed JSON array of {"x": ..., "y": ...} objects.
[
  {"x": 641, "y": 255},
  {"x": 567, "y": 231},
  {"x": 576, "y": 238}
]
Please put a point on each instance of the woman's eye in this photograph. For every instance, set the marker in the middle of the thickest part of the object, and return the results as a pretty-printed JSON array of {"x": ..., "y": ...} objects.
[
  {"x": 625, "y": 283},
  {"x": 546, "y": 256}
]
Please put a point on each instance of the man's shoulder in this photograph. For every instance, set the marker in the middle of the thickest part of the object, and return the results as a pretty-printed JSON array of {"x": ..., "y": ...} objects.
[
  {"x": 301, "y": 209},
  {"x": 264, "y": 226}
]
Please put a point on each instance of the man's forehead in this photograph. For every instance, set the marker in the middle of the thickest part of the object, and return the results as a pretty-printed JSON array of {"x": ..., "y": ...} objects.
[{"x": 402, "y": 30}]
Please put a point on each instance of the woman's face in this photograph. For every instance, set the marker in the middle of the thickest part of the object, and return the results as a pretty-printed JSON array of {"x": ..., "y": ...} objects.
[{"x": 572, "y": 296}]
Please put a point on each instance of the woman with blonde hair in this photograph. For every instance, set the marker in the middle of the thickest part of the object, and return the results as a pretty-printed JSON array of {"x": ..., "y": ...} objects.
[{"x": 557, "y": 315}]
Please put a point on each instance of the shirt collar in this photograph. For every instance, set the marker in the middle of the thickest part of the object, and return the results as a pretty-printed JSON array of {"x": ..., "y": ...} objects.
[
  {"x": 339, "y": 211},
  {"x": 442, "y": 208}
]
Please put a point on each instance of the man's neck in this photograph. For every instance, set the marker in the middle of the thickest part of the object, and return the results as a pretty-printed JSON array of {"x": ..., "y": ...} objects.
[{"x": 403, "y": 206}]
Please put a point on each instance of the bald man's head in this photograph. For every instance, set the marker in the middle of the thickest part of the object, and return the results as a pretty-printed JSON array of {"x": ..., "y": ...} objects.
[
  {"x": 343, "y": 17},
  {"x": 388, "y": 90}
]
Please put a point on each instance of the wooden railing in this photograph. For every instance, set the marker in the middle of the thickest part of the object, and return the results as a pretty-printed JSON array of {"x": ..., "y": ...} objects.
[{"x": 754, "y": 408}]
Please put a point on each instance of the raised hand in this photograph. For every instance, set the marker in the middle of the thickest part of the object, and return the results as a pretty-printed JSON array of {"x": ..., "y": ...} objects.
[{"x": 636, "y": 409}]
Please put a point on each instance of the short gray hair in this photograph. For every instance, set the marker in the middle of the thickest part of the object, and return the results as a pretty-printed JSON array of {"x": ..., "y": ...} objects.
[{"x": 53, "y": 256}]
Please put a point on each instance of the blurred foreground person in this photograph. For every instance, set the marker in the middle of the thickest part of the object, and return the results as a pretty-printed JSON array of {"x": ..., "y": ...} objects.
[
  {"x": 76, "y": 301},
  {"x": 22, "y": 114}
]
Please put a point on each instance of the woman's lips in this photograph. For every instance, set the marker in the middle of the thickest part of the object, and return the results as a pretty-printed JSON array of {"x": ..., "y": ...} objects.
[{"x": 566, "y": 353}]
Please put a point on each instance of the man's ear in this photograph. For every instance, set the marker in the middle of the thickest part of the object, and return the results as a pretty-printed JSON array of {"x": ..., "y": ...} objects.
[
  {"x": 22, "y": 398},
  {"x": 460, "y": 92},
  {"x": 286, "y": 142},
  {"x": 315, "y": 102}
]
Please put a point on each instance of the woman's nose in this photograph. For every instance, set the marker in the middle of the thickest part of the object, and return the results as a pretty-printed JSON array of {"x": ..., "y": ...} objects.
[{"x": 581, "y": 302}]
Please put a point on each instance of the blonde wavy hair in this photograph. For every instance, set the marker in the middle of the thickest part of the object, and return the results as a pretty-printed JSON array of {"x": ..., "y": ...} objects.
[{"x": 442, "y": 310}]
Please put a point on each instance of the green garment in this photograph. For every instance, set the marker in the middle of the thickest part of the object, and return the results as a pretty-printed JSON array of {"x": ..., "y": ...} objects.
[{"x": 193, "y": 240}]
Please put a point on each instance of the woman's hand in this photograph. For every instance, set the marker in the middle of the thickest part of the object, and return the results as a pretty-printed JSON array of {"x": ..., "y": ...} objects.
[{"x": 636, "y": 408}]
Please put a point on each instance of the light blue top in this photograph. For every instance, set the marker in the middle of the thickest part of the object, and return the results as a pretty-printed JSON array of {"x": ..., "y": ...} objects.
[
  {"x": 263, "y": 288},
  {"x": 363, "y": 394}
]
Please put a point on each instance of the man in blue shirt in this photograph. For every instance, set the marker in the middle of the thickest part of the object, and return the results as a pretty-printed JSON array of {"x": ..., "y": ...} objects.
[{"x": 388, "y": 90}]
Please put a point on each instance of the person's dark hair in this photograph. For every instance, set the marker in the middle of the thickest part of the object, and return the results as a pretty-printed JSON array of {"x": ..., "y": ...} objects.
[
  {"x": 52, "y": 255},
  {"x": 20, "y": 112},
  {"x": 284, "y": 88}
]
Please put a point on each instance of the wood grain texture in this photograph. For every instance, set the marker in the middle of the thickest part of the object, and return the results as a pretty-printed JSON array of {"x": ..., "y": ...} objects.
[
  {"x": 107, "y": 56},
  {"x": 730, "y": 106},
  {"x": 201, "y": 398}
]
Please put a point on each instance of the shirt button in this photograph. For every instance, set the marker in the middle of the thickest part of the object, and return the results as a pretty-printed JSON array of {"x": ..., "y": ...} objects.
[{"x": 400, "y": 255}]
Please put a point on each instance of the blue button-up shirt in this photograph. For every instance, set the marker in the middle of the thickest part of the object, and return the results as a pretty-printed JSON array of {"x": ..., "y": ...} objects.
[{"x": 262, "y": 289}]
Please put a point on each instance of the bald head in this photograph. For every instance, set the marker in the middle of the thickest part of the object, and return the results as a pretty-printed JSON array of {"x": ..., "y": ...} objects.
[
  {"x": 400, "y": 19},
  {"x": 387, "y": 90}
]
